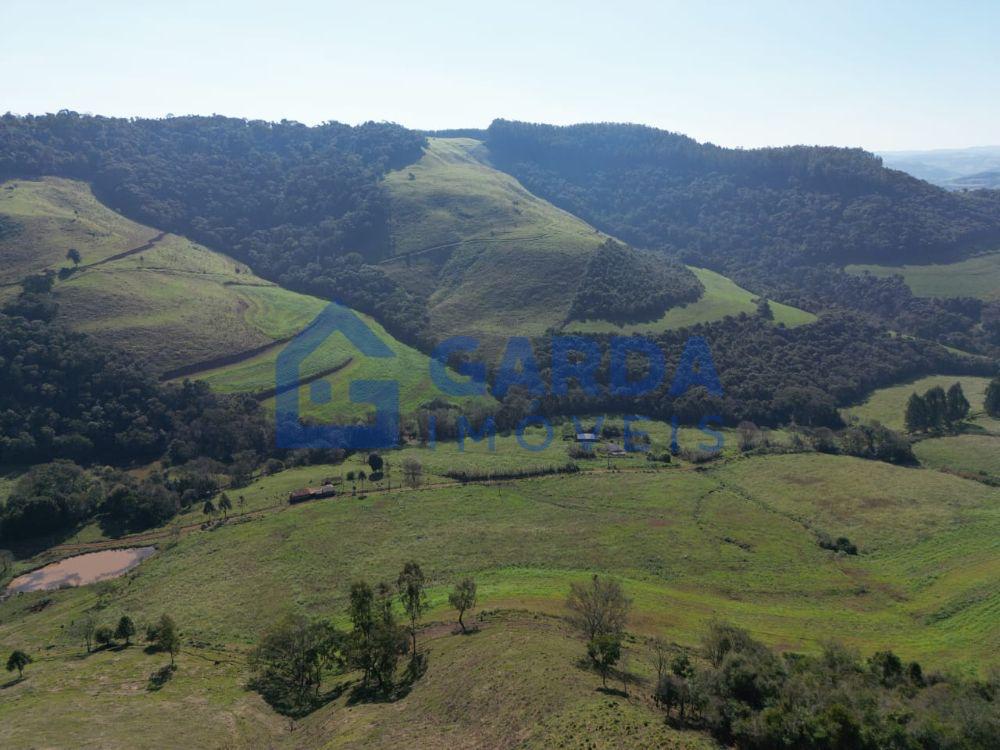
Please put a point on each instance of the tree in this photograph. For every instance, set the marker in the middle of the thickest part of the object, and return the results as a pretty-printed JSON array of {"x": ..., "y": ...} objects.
[
  {"x": 289, "y": 662},
  {"x": 74, "y": 255},
  {"x": 125, "y": 629},
  {"x": 243, "y": 504},
  {"x": 598, "y": 607},
  {"x": 937, "y": 407},
  {"x": 957, "y": 404},
  {"x": 361, "y": 612},
  {"x": 413, "y": 596},
  {"x": 166, "y": 637},
  {"x": 992, "y": 401},
  {"x": 6, "y": 561},
  {"x": 376, "y": 640},
  {"x": 748, "y": 435},
  {"x": 412, "y": 472},
  {"x": 463, "y": 598},
  {"x": 104, "y": 636},
  {"x": 764, "y": 309},
  {"x": 375, "y": 462},
  {"x": 604, "y": 651},
  {"x": 225, "y": 504},
  {"x": 208, "y": 508},
  {"x": 18, "y": 660},
  {"x": 83, "y": 629},
  {"x": 917, "y": 418}
]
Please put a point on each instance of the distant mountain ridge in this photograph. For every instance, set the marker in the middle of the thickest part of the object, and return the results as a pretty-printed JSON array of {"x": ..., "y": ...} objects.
[{"x": 955, "y": 169}]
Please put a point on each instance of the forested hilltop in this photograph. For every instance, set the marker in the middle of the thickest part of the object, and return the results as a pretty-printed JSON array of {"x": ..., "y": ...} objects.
[
  {"x": 733, "y": 207},
  {"x": 781, "y": 221},
  {"x": 302, "y": 205}
]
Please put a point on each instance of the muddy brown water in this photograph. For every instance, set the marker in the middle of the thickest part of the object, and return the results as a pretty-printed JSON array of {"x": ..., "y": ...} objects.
[{"x": 80, "y": 570}]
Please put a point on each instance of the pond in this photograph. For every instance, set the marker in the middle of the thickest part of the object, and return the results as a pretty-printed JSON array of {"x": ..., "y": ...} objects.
[{"x": 81, "y": 570}]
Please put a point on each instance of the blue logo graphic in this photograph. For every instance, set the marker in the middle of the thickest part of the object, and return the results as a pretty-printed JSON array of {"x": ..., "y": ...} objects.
[
  {"x": 574, "y": 359},
  {"x": 292, "y": 432}
]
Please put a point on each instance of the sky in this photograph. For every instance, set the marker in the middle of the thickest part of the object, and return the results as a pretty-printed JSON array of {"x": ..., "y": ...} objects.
[{"x": 880, "y": 75}]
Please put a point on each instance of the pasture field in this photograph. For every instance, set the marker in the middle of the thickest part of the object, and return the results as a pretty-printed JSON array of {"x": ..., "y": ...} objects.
[
  {"x": 973, "y": 453},
  {"x": 978, "y": 277},
  {"x": 888, "y": 405},
  {"x": 493, "y": 257},
  {"x": 734, "y": 539},
  {"x": 52, "y": 215},
  {"x": 722, "y": 297}
]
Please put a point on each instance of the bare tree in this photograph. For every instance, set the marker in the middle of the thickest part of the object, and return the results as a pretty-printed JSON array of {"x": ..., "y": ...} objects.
[{"x": 598, "y": 607}]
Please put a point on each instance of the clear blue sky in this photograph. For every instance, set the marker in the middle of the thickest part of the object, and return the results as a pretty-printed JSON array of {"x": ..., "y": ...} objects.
[{"x": 883, "y": 75}]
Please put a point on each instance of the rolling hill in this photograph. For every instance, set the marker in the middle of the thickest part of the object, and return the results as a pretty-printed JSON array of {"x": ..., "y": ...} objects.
[
  {"x": 736, "y": 540},
  {"x": 978, "y": 276},
  {"x": 183, "y": 310}
]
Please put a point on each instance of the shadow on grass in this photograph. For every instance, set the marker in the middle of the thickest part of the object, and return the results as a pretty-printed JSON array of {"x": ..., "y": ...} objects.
[
  {"x": 373, "y": 693},
  {"x": 12, "y": 683}
]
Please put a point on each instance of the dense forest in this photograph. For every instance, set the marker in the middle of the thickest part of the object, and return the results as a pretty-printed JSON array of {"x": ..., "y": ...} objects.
[
  {"x": 627, "y": 286},
  {"x": 769, "y": 374},
  {"x": 783, "y": 206},
  {"x": 302, "y": 205},
  {"x": 781, "y": 221}
]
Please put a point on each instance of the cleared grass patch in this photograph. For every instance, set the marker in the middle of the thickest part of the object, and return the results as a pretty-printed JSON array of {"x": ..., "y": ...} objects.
[
  {"x": 888, "y": 405},
  {"x": 722, "y": 297},
  {"x": 975, "y": 277}
]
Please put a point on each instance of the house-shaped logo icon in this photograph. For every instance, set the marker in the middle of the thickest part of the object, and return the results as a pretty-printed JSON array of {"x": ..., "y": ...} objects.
[{"x": 290, "y": 430}]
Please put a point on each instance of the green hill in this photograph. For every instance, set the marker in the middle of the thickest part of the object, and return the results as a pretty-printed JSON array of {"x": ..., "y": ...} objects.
[
  {"x": 735, "y": 540},
  {"x": 179, "y": 306},
  {"x": 491, "y": 257}
]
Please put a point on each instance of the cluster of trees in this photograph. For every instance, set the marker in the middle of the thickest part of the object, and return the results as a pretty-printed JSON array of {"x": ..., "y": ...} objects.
[
  {"x": 751, "y": 697},
  {"x": 63, "y": 395},
  {"x": 59, "y": 496},
  {"x": 769, "y": 374},
  {"x": 992, "y": 401},
  {"x": 303, "y": 206},
  {"x": 628, "y": 286},
  {"x": 293, "y": 657},
  {"x": 937, "y": 410}
]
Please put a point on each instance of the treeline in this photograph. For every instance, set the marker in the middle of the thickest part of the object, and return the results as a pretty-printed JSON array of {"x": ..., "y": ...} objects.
[
  {"x": 662, "y": 190},
  {"x": 62, "y": 395},
  {"x": 750, "y": 697},
  {"x": 937, "y": 410},
  {"x": 769, "y": 374},
  {"x": 302, "y": 205},
  {"x": 624, "y": 285}
]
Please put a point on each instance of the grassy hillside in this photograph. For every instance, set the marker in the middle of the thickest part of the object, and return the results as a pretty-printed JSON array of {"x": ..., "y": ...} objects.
[
  {"x": 52, "y": 215},
  {"x": 736, "y": 541},
  {"x": 409, "y": 368},
  {"x": 721, "y": 297},
  {"x": 492, "y": 256},
  {"x": 176, "y": 303},
  {"x": 976, "y": 277},
  {"x": 888, "y": 405}
]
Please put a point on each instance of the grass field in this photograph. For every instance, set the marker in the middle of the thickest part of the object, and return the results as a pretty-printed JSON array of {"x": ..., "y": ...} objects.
[
  {"x": 734, "y": 540},
  {"x": 722, "y": 297},
  {"x": 975, "y": 454},
  {"x": 409, "y": 368},
  {"x": 888, "y": 405},
  {"x": 976, "y": 277},
  {"x": 54, "y": 215},
  {"x": 493, "y": 257}
]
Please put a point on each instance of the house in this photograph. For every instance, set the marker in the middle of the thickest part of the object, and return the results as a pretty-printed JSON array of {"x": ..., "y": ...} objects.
[
  {"x": 588, "y": 438},
  {"x": 613, "y": 449}
]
